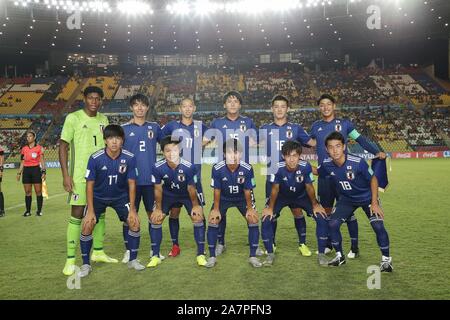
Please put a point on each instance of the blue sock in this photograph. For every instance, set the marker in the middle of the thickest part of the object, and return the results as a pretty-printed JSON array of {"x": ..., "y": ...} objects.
[
  {"x": 213, "y": 230},
  {"x": 125, "y": 229},
  {"x": 352, "y": 225},
  {"x": 321, "y": 233},
  {"x": 199, "y": 236},
  {"x": 174, "y": 228},
  {"x": 134, "y": 238},
  {"x": 300, "y": 225},
  {"x": 222, "y": 227},
  {"x": 335, "y": 232},
  {"x": 274, "y": 229},
  {"x": 253, "y": 238},
  {"x": 156, "y": 238},
  {"x": 382, "y": 235},
  {"x": 85, "y": 246},
  {"x": 267, "y": 234}
]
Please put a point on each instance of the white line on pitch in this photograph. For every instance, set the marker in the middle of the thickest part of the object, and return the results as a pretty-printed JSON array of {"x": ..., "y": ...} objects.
[{"x": 23, "y": 204}]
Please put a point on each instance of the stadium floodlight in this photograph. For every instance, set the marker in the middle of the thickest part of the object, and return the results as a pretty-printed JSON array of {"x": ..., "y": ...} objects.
[
  {"x": 205, "y": 7},
  {"x": 181, "y": 7},
  {"x": 134, "y": 7}
]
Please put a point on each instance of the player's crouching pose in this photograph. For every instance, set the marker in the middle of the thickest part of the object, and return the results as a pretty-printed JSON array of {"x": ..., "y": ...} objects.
[
  {"x": 111, "y": 182},
  {"x": 175, "y": 186},
  {"x": 358, "y": 187},
  {"x": 233, "y": 181},
  {"x": 291, "y": 186}
]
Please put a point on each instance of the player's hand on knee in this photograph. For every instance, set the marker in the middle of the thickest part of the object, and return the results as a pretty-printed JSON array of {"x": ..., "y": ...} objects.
[
  {"x": 252, "y": 216},
  {"x": 197, "y": 213},
  {"x": 157, "y": 217},
  {"x": 133, "y": 220},
  {"x": 214, "y": 217},
  {"x": 267, "y": 213},
  {"x": 89, "y": 222},
  {"x": 376, "y": 210},
  {"x": 318, "y": 209}
]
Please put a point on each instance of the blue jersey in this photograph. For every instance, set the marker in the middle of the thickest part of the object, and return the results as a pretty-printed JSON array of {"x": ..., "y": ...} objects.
[
  {"x": 292, "y": 183},
  {"x": 321, "y": 129},
  {"x": 232, "y": 184},
  {"x": 141, "y": 141},
  {"x": 192, "y": 139},
  {"x": 287, "y": 132},
  {"x": 352, "y": 178},
  {"x": 175, "y": 181},
  {"x": 235, "y": 129},
  {"x": 111, "y": 175}
]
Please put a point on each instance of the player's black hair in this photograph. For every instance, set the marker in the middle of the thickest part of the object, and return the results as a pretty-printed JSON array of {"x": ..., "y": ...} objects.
[
  {"x": 280, "y": 97},
  {"x": 334, "y": 136},
  {"x": 232, "y": 144},
  {"x": 139, "y": 97},
  {"x": 93, "y": 89},
  {"x": 169, "y": 140},
  {"x": 113, "y": 130},
  {"x": 232, "y": 93},
  {"x": 290, "y": 146},
  {"x": 326, "y": 96},
  {"x": 32, "y": 132}
]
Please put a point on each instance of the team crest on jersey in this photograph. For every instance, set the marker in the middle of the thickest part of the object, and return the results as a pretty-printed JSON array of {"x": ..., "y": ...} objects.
[
  {"x": 289, "y": 134},
  {"x": 196, "y": 132},
  {"x": 241, "y": 180},
  {"x": 243, "y": 127},
  {"x": 299, "y": 178},
  {"x": 34, "y": 155},
  {"x": 338, "y": 127},
  {"x": 122, "y": 168},
  {"x": 181, "y": 177},
  {"x": 350, "y": 175},
  {"x": 150, "y": 134}
]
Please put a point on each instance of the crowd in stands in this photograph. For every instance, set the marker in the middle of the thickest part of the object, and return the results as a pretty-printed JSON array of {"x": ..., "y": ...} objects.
[{"x": 362, "y": 88}]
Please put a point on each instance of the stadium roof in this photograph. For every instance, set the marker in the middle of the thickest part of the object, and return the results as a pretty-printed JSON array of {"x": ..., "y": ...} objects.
[{"x": 189, "y": 27}]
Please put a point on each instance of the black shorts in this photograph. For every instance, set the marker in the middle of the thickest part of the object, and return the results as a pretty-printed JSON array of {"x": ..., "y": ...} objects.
[{"x": 32, "y": 175}]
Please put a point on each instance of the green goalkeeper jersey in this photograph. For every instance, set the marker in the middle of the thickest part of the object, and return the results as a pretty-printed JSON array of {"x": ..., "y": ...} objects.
[{"x": 85, "y": 136}]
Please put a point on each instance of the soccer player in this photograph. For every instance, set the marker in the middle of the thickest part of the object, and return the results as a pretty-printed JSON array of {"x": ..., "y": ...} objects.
[
  {"x": 358, "y": 188},
  {"x": 292, "y": 186},
  {"x": 234, "y": 126},
  {"x": 2, "y": 200},
  {"x": 141, "y": 137},
  {"x": 175, "y": 186},
  {"x": 191, "y": 132},
  {"x": 83, "y": 132},
  {"x": 233, "y": 181},
  {"x": 32, "y": 170},
  {"x": 327, "y": 192},
  {"x": 277, "y": 133},
  {"x": 111, "y": 182}
]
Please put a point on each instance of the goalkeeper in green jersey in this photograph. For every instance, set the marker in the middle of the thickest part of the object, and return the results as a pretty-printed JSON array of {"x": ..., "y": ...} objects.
[{"x": 82, "y": 134}]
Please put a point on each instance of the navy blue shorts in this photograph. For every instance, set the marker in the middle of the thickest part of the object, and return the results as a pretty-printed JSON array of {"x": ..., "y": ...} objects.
[
  {"x": 121, "y": 206},
  {"x": 169, "y": 202},
  {"x": 198, "y": 186},
  {"x": 302, "y": 202},
  {"x": 344, "y": 209},
  {"x": 241, "y": 205},
  {"x": 327, "y": 191},
  {"x": 147, "y": 195}
]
